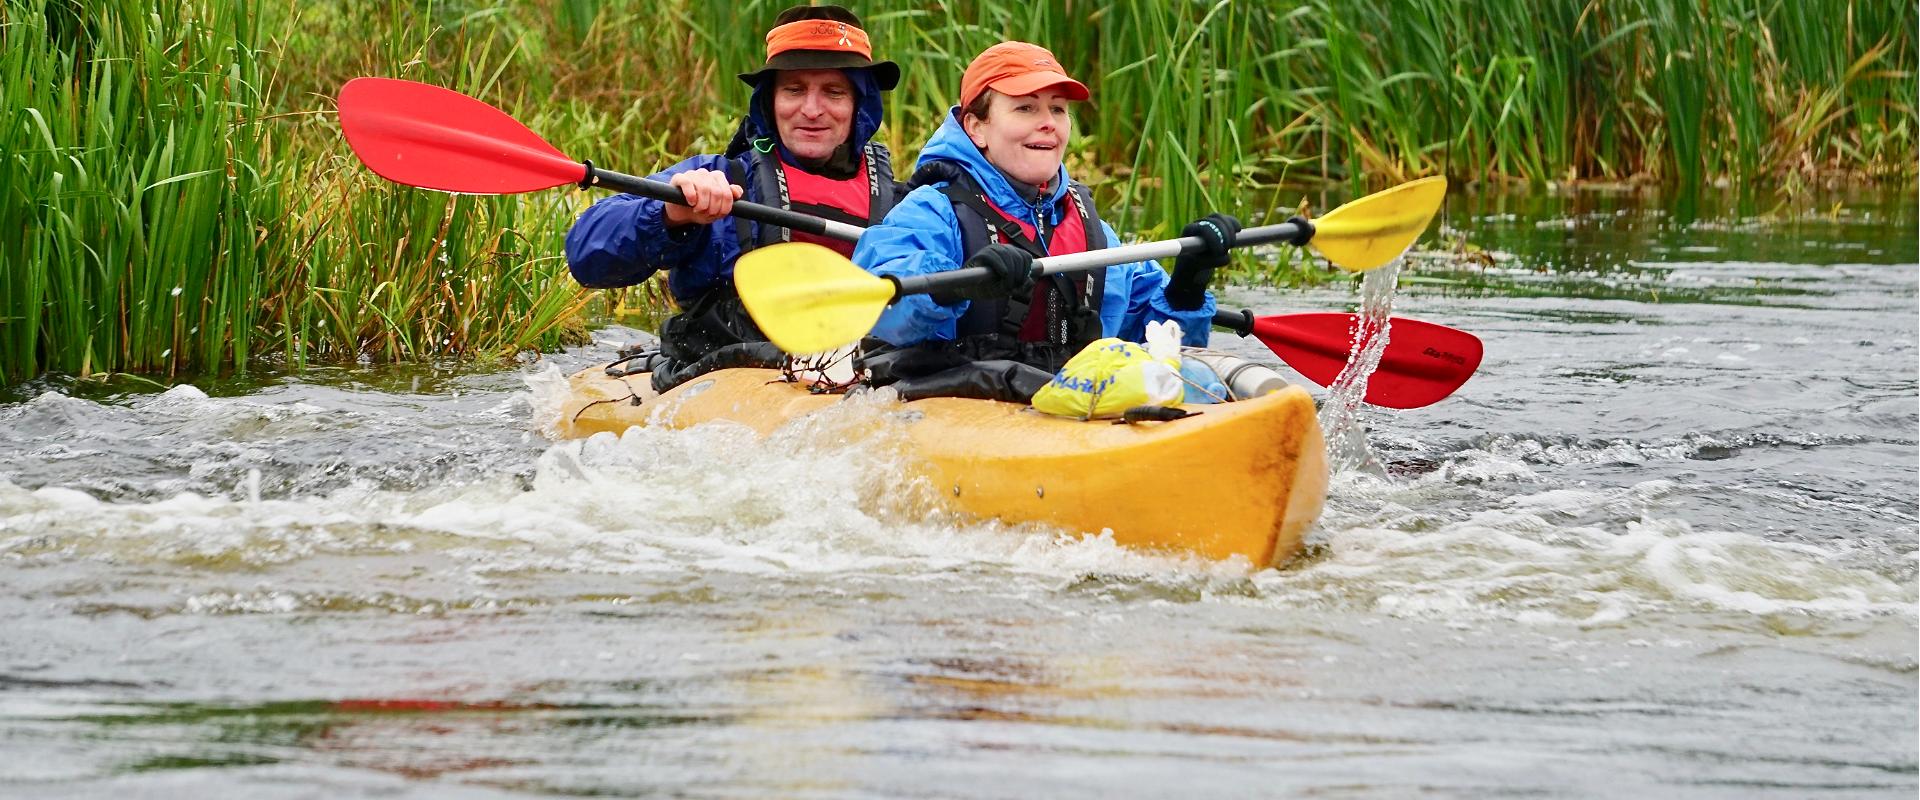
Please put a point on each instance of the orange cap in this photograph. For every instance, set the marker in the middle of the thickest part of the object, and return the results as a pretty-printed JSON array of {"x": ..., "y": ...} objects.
[{"x": 1016, "y": 69}]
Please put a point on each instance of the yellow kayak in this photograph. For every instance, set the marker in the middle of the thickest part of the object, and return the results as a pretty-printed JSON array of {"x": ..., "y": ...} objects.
[{"x": 1237, "y": 479}]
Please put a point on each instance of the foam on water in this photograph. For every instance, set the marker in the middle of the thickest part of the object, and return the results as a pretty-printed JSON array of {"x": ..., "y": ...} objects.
[
  {"x": 547, "y": 394},
  {"x": 1588, "y": 556},
  {"x": 385, "y": 501},
  {"x": 824, "y": 496}
]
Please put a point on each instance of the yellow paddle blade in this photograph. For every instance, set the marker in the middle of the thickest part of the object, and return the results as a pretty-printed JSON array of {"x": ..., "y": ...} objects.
[
  {"x": 807, "y": 298},
  {"x": 1374, "y": 230}
]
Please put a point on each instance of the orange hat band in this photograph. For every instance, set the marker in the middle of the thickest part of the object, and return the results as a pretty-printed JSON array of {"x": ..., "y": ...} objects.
[{"x": 818, "y": 34}]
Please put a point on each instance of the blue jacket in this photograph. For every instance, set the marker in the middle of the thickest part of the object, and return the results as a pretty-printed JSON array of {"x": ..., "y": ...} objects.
[
  {"x": 921, "y": 235},
  {"x": 622, "y": 239}
]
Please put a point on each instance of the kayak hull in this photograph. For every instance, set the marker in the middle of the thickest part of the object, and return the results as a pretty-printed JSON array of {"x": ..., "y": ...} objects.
[{"x": 1237, "y": 479}]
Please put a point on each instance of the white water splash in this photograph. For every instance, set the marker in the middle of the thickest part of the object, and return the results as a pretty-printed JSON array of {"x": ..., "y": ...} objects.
[
  {"x": 1340, "y": 420},
  {"x": 1482, "y": 536},
  {"x": 549, "y": 393}
]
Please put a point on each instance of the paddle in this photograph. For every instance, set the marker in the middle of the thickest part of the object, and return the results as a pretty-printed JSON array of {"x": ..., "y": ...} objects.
[
  {"x": 809, "y": 299},
  {"x": 1423, "y": 362},
  {"x": 435, "y": 138}
]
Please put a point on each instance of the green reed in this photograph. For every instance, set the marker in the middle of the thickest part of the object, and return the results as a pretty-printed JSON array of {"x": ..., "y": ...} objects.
[
  {"x": 1198, "y": 104},
  {"x": 184, "y": 201},
  {"x": 385, "y": 272},
  {"x": 134, "y": 194}
]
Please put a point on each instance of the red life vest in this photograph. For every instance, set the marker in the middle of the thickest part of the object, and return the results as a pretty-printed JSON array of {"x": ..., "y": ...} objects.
[
  {"x": 1070, "y": 237},
  {"x": 808, "y": 193},
  {"x": 860, "y": 200}
]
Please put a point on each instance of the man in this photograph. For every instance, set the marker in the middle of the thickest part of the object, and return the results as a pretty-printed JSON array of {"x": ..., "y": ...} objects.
[{"x": 804, "y": 144}]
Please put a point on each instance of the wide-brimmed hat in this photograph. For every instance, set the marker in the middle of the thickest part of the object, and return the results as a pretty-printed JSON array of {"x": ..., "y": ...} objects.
[
  {"x": 1017, "y": 69},
  {"x": 821, "y": 37}
]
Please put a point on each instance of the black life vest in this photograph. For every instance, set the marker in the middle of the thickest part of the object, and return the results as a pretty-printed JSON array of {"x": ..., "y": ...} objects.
[
  {"x": 716, "y": 331},
  {"x": 1063, "y": 314}
]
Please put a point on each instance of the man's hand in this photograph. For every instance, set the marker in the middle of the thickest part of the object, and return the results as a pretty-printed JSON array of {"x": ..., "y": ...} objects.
[{"x": 709, "y": 197}]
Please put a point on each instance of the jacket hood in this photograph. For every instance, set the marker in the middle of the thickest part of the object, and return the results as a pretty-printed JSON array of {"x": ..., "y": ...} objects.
[
  {"x": 868, "y": 111},
  {"x": 951, "y": 143}
]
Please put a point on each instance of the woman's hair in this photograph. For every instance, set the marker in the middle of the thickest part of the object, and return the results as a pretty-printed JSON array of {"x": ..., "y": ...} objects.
[{"x": 979, "y": 105}]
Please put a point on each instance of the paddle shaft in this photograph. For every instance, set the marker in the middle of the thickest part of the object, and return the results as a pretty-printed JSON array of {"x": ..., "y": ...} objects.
[
  {"x": 1240, "y": 322},
  {"x": 1289, "y": 231},
  {"x": 766, "y": 215},
  {"x": 431, "y": 137},
  {"x": 1295, "y": 231}
]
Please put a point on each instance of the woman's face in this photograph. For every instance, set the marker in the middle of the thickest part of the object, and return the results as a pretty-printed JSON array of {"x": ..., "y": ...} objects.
[{"x": 1024, "y": 136}]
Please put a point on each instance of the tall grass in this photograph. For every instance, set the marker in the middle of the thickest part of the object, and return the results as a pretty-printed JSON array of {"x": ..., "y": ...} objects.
[
  {"x": 384, "y": 272},
  {"x": 134, "y": 195},
  {"x": 177, "y": 196},
  {"x": 1200, "y": 104}
]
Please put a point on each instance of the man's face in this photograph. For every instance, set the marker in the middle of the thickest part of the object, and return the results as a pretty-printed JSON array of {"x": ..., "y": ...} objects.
[{"x": 812, "y": 110}]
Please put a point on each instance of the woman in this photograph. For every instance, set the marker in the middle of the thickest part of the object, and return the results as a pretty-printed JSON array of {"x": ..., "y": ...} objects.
[{"x": 991, "y": 192}]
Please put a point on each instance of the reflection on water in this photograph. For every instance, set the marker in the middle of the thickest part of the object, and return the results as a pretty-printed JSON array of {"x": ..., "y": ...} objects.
[{"x": 1661, "y": 544}]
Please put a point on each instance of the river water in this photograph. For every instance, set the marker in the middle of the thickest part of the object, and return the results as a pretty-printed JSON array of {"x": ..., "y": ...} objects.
[{"x": 1663, "y": 544}]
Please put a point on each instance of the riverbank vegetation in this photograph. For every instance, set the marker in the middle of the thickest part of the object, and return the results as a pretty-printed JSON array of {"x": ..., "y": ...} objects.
[{"x": 178, "y": 198}]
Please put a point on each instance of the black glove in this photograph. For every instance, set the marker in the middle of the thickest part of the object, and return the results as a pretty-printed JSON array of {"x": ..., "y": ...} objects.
[
  {"x": 1192, "y": 271},
  {"x": 1012, "y": 270}
]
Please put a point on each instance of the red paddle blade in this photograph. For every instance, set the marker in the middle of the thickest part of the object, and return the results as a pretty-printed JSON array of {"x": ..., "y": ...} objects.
[
  {"x": 1423, "y": 362},
  {"x": 434, "y": 138}
]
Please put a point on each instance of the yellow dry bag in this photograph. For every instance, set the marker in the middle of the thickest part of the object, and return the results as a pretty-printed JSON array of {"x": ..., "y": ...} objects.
[{"x": 1108, "y": 377}]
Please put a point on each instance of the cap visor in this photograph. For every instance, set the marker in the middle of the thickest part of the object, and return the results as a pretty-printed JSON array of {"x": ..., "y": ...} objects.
[
  {"x": 1022, "y": 85},
  {"x": 885, "y": 73}
]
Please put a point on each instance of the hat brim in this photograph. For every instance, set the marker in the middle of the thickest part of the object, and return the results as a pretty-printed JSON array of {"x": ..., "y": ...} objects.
[
  {"x": 1031, "y": 82},
  {"x": 885, "y": 73}
]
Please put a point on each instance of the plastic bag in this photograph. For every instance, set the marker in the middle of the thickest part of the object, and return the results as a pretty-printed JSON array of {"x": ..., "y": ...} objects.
[{"x": 1110, "y": 376}]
